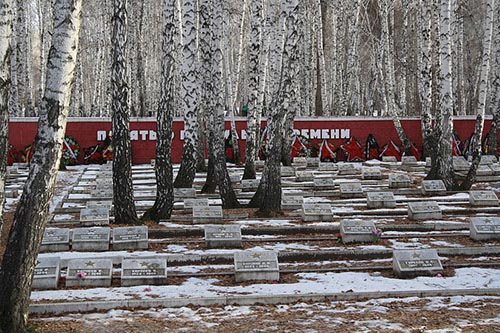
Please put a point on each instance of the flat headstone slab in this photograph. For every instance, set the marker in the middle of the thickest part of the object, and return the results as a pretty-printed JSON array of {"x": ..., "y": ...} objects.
[
  {"x": 55, "y": 239},
  {"x": 351, "y": 190},
  {"x": 484, "y": 170},
  {"x": 89, "y": 273},
  {"x": 223, "y": 236},
  {"x": 409, "y": 161},
  {"x": 312, "y": 162},
  {"x": 361, "y": 231},
  {"x": 300, "y": 160},
  {"x": 328, "y": 167},
  {"x": 103, "y": 183},
  {"x": 495, "y": 168},
  {"x": 324, "y": 183},
  {"x": 399, "y": 180},
  {"x": 234, "y": 177},
  {"x": 488, "y": 159},
  {"x": 47, "y": 273},
  {"x": 130, "y": 238},
  {"x": 249, "y": 185},
  {"x": 256, "y": 265},
  {"x": 150, "y": 271},
  {"x": 91, "y": 239},
  {"x": 189, "y": 203},
  {"x": 483, "y": 198},
  {"x": 291, "y": 201},
  {"x": 372, "y": 173},
  {"x": 183, "y": 193},
  {"x": 304, "y": 176},
  {"x": 389, "y": 159},
  {"x": 460, "y": 163},
  {"x": 94, "y": 216},
  {"x": 485, "y": 228},
  {"x": 380, "y": 200},
  {"x": 433, "y": 187},
  {"x": 347, "y": 169},
  {"x": 424, "y": 210},
  {"x": 317, "y": 212},
  {"x": 99, "y": 204},
  {"x": 287, "y": 171},
  {"x": 411, "y": 263},
  {"x": 102, "y": 194},
  {"x": 207, "y": 214}
]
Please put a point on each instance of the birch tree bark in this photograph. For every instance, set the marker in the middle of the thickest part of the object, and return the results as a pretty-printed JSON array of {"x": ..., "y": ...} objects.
[
  {"x": 30, "y": 218},
  {"x": 189, "y": 95},
  {"x": 162, "y": 208},
  {"x": 6, "y": 18},
  {"x": 123, "y": 195}
]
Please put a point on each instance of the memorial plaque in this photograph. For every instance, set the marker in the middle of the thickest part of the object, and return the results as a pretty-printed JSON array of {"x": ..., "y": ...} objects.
[
  {"x": 253, "y": 265},
  {"x": 409, "y": 161},
  {"x": 380, "y": 200},
  {"x": 130, "y": 238},
  {"x": 249, "y": 185},
  {"x": 183, "y": 193},
  {"x": 148, "y": 271},
  {"x": 304, "y": 176},
  {"x": 102, "y": 194},
  {"x": 351, "y": 190},
  {"x": 291, "y": 201},
  {"x": 411, "y": 263},
  {"x": 207, "y": 214},
  {"x": 424, "y": 210},
  {"x": 316, "y": 212},
  {"x": 389, "y": 159},
  {"x": 94, "y": 216},
  {"x": 234, "y": 177},
  {"x": 495, "y": 169},
  {"x": 91, "y": 239},
  {"x": 302, "y": 161},
  {"x": 488, "y": 159},
  {"x": 329, "y": 167},
  {"x": 89, "y": 273},
  {"x": 460, "y": 163},
  {"x": 324, "y": 183},
  {"x": 372, "y": 173},
  {"x": 433, "y": 187},
  {"x": 189, "y": 203},
  {"x": 223, "y": 236},
  {"x": 55, "y": 239},
  {"x": 484, "y": 170},
  {"x": 358, "y": 231},
  {"x": 346, "y": 169},
  {"x": 312, "y": 162},
  {"x": 399, "y": 180},
  {"x": 104, "y": 183},
  {"x": 47, "y": 273},
  {"x": 483, "y": 198},
  {"x": 100, "y": 204},
  {"x": 287, "y": 171},
  {"x": 485, "y": 228}
]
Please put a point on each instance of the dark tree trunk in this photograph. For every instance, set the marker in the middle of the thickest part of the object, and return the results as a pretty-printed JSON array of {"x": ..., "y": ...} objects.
[
  {"x": 123, "y": 196},
  {"x": 30, "y": 218}
]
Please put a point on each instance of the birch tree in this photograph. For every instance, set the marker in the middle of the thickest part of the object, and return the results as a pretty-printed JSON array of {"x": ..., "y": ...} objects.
[
  {"x": 189, "y": 95},
  {"x": 123, "y": 195},
  {"x": 6, "y": 15},
  {"x": 162, "y": 208},
  {"x": 31, "y": 214}
]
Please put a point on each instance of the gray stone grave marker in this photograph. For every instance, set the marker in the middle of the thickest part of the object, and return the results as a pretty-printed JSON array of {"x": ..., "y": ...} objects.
[
  {"x": 47, "y": 273},
  {"x": 189, "y": 203},
  {"x": 351, "y": 190},
  {"x": 399, "y": 180},
  {"x": 433, "y": 187},
  {"x": 207, "y": 214},
  {"x": 94, "y": 216},
  {"x": 287, "y": 171},
  {"x": 371, "y": 173},
  {"x": 488, "y": 159},
  {"x": 99, "y": 204},
  {"x": 328, "y": 167},
  {"x": 424, "y": 210},
  {"x": 380, "y": 200},
  {"x": 495, "y": 169},
  {"x": 55, "y": 239},
  {"x": 130, "y": 238},
  {"x": 147, "y": 271},
  {"x": 389, "y": 159},
  {"x": 313, "y": 162},
  {"x": 460, "y": 163},
  {"x": 299, "y": 162},
  {"x": 484, "y": 170},
  {"x": 304, "y": 176},
  {"x": 102, "y": 194},
  {"x": 292, "y": 201},
  {"x": 411, "y": 263},
  {"x": 249, "y": 185},
  {"x": 483, "y": 198},
  {"x": 346, "y": 169},
  {"x": 485, "y": 228},
  {"x": 11, "y": 193},
  {"x": 183, "y": 193},
  {"x": 234, "y": 177},
  {"x": 91, "y": 239},
  {"x": 316, "y": 212},
  {"x": 253, "y": 265},
  {"x": 223, "y": 236},
  {"x": 358, "y": 231},
  {"x": 409, "y": 161},
  {"x": 89, "y": 273},
  {"x": 324, "y": 183}
]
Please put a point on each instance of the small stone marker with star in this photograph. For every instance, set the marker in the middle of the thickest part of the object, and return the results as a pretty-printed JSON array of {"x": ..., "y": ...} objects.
[
  {"x": 147, "y": 271},
  {"x": 89, "y": 273},
  {"x": 223, "y": 236},
  {"x": 55, "y": 239},
  {"x": 411, "y": 263},
  {"x": 485, "y": 228},
  {"x": 46, "y": 274},
  {"x": 130, "y": 238},
  {"x": 91, "y": 239},
  {"x": 256, "y": 265}
]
